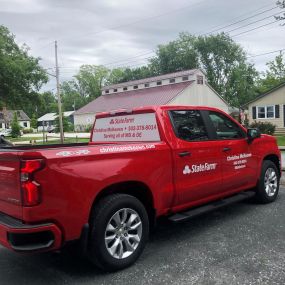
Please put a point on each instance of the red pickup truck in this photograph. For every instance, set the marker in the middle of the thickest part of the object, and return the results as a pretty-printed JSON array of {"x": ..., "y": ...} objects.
[{"x": 140, "y": 164}]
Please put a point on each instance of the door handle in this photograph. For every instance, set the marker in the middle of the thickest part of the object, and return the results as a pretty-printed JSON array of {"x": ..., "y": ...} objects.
[
  {"x": 184, "y": 153},
  {"x": 226, "y": 149}
]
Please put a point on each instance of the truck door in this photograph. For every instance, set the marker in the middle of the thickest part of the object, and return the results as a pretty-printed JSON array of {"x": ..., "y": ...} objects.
[
  {"x": 239, "y": 163},
  {"x": 197, "y": 161}
]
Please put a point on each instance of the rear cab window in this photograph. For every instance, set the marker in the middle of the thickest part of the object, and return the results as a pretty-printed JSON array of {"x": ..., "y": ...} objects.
[{"x": 126, "y": 128}]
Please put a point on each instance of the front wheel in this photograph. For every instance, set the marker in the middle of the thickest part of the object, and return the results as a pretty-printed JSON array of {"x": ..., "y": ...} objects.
[
  {"x": 268, "y": 185},
  {"x": 119, "y": 231}
]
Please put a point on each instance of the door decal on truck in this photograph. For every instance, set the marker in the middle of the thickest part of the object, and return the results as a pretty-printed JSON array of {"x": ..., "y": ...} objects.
[
  {"x": 195, "y": 168},
  {"x": 239, "y": 160},
  {"x": 73, "y": 153}
]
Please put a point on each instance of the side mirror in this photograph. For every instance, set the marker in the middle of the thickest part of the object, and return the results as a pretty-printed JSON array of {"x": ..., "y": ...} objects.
[{"x": 253, "y": 134}]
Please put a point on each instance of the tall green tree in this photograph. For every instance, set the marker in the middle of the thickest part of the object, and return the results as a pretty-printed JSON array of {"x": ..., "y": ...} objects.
[
  {"x": 89, "y": 80},
  {"x": 177, "y": 55},
  {"x": 223, "y": 60},
  {"x": 21, "y": 76},
  {"x": 228, "y": 71},
  {"x": 16, "y": 130},
  {"x": 274, "y": 75}
]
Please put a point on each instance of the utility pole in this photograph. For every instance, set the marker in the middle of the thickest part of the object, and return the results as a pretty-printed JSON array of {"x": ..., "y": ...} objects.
[{"x": 58, "y": 95}]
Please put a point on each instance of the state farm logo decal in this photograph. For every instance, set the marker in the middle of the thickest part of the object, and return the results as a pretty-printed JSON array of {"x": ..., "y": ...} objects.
[{"x": 195, "y": 168}]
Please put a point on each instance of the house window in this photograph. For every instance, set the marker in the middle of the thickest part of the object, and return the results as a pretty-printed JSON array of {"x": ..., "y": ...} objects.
[
  {"x": 185, "y": 78},
  {"x": 115, "y": 90},
  {"x": 172, "y": 80},
  {"x": 265, "y": 112},
  {"x": 146, "y": 85},
  {"x": 136, "y": 87},
  {"x": 158, "y": 83},
  {"x": 106, "y": 91},
  {"x": 125, "y": 88},
  {"x": 25, "y": 124},
  {"x": 200, "y": 79}
]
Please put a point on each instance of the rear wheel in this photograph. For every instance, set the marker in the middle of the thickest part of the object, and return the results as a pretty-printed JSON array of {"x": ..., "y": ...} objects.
[
  {"x": 268, "y": 185},
  {"x": 119, "y": 231}
]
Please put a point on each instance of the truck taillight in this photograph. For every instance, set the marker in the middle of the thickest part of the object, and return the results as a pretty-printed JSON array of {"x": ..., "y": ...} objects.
[{"x": 30, "y": 188}]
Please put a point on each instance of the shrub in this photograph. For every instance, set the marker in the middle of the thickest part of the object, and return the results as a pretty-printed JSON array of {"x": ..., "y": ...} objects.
[
  {"x": 265, "y": 128},
  {"x": 16, "y": 129},
  {"x": 28, "y": 131},
  {"x": 88, "y": 128}
]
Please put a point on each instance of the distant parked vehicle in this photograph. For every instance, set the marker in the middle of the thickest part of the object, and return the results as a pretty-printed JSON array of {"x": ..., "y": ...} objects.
[{"x": 5, "y": 133}]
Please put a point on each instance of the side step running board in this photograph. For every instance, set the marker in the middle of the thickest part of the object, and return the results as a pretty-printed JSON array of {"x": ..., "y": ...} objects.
[{"x": 183, "y": 216}]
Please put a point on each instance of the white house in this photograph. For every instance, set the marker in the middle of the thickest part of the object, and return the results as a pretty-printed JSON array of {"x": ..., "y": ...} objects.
[
  {"x": 188, "y": 87},
  {"x": 269, "y": 107},
  {"x": 6, "y": 118},
  {"x": 48, "y": 120}
]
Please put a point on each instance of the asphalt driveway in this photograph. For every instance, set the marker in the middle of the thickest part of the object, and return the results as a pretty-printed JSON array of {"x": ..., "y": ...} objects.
[{"x": 241, "y": 244}]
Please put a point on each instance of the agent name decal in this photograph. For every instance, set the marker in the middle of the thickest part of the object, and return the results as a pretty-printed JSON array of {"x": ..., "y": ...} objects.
[
  {"x": 195, "y": 168},
  {"x": 239, "y": 160}
]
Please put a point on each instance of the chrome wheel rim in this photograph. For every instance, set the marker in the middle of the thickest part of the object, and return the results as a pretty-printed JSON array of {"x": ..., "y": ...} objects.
[
  {"x": 123, "y": 233},
  {"x": 270, "y": 182}
]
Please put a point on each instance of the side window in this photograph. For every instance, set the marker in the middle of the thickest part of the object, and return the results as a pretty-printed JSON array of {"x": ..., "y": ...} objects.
[
  {"x": 189, "y": 125},
  {"x": 224, "y": 127}
]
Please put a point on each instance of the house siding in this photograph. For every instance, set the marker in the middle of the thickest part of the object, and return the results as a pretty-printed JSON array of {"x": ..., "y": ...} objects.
[
  {"x": 81, "y": 121},
  {"x": 277, "y": 97},
  {"x": 200, "y": 95}
]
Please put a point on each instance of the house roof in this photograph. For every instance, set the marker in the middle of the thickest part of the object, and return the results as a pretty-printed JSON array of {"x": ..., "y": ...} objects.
[
  {"x": 52, "y": 116},
  {"x": 9, "y": 114},
  {"x": 135, "y": 98},
  {"x": 266, "y": 93},
  {"x": 154, "y": 78}
]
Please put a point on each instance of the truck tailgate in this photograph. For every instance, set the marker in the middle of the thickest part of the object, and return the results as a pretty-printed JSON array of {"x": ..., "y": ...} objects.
[{"x": 10, "y": 193}]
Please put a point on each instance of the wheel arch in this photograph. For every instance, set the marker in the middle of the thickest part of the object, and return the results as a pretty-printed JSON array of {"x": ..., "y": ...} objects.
[
  {"x": 133, "y": 188},
  {"x": 275, "y": 159}
]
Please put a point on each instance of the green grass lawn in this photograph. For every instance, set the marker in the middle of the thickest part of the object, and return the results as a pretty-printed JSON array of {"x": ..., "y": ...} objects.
[
  {"x": 21, "y": 139},
  {"x": 67, "y": 140},
  {"x": 50, "y": 140},
  {"x": 281, "y": 141}
]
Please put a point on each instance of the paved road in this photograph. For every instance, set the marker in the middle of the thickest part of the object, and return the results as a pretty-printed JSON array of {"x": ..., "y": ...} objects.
[{"x": 240, "y": 244}]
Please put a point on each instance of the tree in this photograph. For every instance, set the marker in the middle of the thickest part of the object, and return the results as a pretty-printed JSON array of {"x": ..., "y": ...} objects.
[
  {"x": 175, "y": 56},
  {"x": 67, "y": 126},
  {"x": 16, "y": 130},
  {"x": 274, "y": 76},
  {"x": 89, "y": 81},
  {"x": 34, "y": 122},
  {"x": 71, "y": 98},
  {"x": 223, "y": 60},
  {"x": 228, "y": 71},
  {"x": 281, "y": 5},
  {"x": 21, "y": 76}
]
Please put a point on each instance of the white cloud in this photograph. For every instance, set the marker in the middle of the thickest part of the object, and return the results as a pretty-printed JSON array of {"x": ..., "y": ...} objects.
[{"x": 126, "y": 31}]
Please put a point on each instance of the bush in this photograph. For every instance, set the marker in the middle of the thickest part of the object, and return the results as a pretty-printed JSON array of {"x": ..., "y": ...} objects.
[
  {"x": 28, "y": 131},
  {"x": 88, "y": 128},
  {"x": 265, "y": 128}
]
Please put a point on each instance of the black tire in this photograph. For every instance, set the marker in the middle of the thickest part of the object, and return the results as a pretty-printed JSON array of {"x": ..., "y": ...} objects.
[
  {"x": 261, "y": 194},
  {"x": 101, "y": 216}
]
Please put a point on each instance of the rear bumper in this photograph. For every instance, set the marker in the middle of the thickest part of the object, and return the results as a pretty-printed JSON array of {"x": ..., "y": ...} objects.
[{"x": 20, "y": 237}]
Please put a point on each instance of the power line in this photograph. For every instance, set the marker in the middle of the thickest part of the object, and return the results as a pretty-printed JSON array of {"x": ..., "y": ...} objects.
[
  {"x": 240, "y": 21},
  {"x": 266, "y": 53},
  {"x": 254, "y": 22},
  {"x": 126, "y": 60},
  {"x": 141, "y": 20},
  {"x": 254, "y": 29}
]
